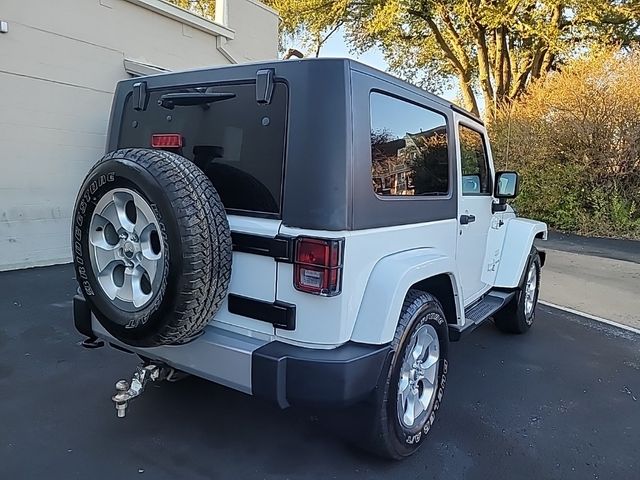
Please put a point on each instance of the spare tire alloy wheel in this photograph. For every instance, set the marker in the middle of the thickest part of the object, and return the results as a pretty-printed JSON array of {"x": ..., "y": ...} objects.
[
  {"x": 151, "y": 247},
  {"x": 126, "y": 252}
]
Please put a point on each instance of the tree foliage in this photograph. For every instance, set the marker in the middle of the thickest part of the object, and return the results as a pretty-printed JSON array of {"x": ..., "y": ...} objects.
[
  {"x": 575, "y": 139},
  {"x": 496, "y": 47},
  {"x": 204, "y": 8},
  {"x": 311, "y": 21}
]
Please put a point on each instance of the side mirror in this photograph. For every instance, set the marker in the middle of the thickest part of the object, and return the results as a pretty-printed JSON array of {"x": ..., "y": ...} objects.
[{"x": 507, "y": 184}]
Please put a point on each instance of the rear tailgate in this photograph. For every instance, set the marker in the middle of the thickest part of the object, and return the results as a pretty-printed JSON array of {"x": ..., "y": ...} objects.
[
  {"x": 240, "y": 145},
  {"x": 252, "y": 276}
]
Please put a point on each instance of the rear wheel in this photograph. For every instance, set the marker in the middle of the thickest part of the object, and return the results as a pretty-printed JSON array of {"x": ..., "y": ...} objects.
[
  {"x": 409, "y": 394},
  {"x": 519, "y": 314}
]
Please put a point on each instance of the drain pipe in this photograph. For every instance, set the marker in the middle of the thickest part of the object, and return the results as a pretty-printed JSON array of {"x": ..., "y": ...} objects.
[{"x": 222, "y": 18}]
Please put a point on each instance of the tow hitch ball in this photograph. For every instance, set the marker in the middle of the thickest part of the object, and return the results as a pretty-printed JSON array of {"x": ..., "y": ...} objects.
[{"x": 144, "y": 374}]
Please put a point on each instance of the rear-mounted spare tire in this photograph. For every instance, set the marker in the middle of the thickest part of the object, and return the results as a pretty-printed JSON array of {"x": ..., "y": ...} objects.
[{"x": 151, "y": 246}]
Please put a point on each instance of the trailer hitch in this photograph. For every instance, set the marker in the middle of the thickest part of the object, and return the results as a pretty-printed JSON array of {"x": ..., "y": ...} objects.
[{"x": 126, "y": 391}]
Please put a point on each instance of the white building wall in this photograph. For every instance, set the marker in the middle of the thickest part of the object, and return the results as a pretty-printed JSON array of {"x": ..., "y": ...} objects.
[{"x": 59, "y": 63}]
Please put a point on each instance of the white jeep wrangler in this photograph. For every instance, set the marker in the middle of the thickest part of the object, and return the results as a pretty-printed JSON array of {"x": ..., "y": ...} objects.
[{"x": 313, "y": 232}]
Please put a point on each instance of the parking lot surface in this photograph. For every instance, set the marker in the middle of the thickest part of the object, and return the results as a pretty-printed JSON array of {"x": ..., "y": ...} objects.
[{"x": 562, "y": 402}]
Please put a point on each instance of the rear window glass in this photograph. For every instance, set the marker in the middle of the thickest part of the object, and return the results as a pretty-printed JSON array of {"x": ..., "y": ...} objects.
[{"x": 238, "y": 143}]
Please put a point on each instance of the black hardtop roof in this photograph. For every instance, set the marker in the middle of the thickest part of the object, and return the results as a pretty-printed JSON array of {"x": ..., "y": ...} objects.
[
  {"x": 328, "y": 130},
  {"x": 349, "y": 63}
]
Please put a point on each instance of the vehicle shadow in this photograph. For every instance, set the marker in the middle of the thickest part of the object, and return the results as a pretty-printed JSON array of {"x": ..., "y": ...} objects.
[{"x": 210, "y": 428}]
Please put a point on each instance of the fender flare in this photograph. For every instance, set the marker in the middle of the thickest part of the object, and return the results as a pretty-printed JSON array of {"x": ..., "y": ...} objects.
[
  {"x": 387, "y": 287},
  {"x": 517, "y": 245}
]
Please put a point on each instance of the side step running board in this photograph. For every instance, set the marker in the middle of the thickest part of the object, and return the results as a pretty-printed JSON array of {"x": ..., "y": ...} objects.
[{"x": 480, "y": 311}]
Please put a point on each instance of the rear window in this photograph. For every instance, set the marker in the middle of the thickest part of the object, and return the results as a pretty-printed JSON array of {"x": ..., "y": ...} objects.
[{"x": 238, "y": 143}]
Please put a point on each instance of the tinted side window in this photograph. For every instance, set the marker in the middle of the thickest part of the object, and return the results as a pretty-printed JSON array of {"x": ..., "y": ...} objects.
[
  {"x": 475, "y": 166},
  {"x": 409, "y": 152}
]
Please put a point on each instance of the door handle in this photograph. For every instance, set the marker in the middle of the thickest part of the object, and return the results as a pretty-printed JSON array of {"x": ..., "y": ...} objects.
[{"x": 466, "y": 219}]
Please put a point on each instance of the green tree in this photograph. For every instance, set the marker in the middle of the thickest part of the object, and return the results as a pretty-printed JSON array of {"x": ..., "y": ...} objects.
[
  {"x": 204, "y": 8},
  {"x": 311, "y": 22},
  {"x": 494, "y": 47},
  {"x": 575, "y": 140}
]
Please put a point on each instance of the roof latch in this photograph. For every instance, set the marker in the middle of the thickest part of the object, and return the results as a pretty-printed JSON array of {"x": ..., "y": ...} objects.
[
  {"x": 140, "y": 96},
  {"x": 264, "y": 85}
]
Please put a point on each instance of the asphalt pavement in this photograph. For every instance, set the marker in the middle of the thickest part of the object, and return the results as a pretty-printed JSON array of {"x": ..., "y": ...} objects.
[
  {"x": 562, "y": 402},
  {"x": 614, "y": 248},
  {"x": 598, "y": 276}
]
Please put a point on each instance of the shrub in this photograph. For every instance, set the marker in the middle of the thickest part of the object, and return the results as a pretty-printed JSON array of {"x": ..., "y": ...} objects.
[{"x": 575, "y": 139}]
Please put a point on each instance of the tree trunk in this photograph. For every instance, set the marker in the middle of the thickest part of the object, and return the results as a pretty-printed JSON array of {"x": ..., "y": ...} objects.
[
  {"x": 468, "y": 96},
  {"x": 318, "y": 46},
  {"x": 484, "y": 69}
]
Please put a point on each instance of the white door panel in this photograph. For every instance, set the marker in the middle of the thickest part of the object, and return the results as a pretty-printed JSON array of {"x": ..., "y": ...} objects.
[
  {"x": 252, "y": 276},
  {"x": 495, "y": 242},
  {"x": 472, "y": 245},
  {"x": 476, "y": 246}
]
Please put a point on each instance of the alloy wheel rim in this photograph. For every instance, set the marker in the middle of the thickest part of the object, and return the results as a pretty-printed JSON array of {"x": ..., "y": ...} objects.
[
  {"x": 126, "y": 248},
  {"x": 530, "y": 291},
  {"x": 418, "y": 377}
]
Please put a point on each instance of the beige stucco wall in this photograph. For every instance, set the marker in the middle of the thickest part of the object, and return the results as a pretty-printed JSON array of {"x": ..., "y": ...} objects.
[
  {"x": 252, "y": 32},
  {"x": 59, "y": 64}
]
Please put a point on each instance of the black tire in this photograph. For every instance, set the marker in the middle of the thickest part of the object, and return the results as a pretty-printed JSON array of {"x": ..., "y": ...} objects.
[
  {"x": 195, "y": 237},
  {"x": 513, "y": 318},
  {"x": 388, "y": 437}
]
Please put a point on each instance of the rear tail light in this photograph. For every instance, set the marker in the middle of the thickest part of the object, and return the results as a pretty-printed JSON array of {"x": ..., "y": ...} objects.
[
  {"x": 317, "y": 266},
  {"x": 166, "y": 140}
]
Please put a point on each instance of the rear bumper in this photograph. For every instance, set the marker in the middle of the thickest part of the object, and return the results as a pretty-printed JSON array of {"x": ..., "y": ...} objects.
[
  {"x": 291, "y": 375},
  {"x": 279, "y": 372}
]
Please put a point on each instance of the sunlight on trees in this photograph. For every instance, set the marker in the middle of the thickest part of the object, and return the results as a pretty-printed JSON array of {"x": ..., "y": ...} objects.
[
  {"x": 496, "y": 48},
  {"x": 204, "y": 8},
  {"x": 574, "y": 138}
]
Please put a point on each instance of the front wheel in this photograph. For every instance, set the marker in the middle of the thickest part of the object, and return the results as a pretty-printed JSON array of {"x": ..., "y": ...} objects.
[
  {"x": 519, "y": 314},
  {"x": 409, "y": 395}
]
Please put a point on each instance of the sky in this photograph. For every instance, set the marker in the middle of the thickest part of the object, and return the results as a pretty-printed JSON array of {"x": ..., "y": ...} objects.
[{"x": 337, "y": 47}]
